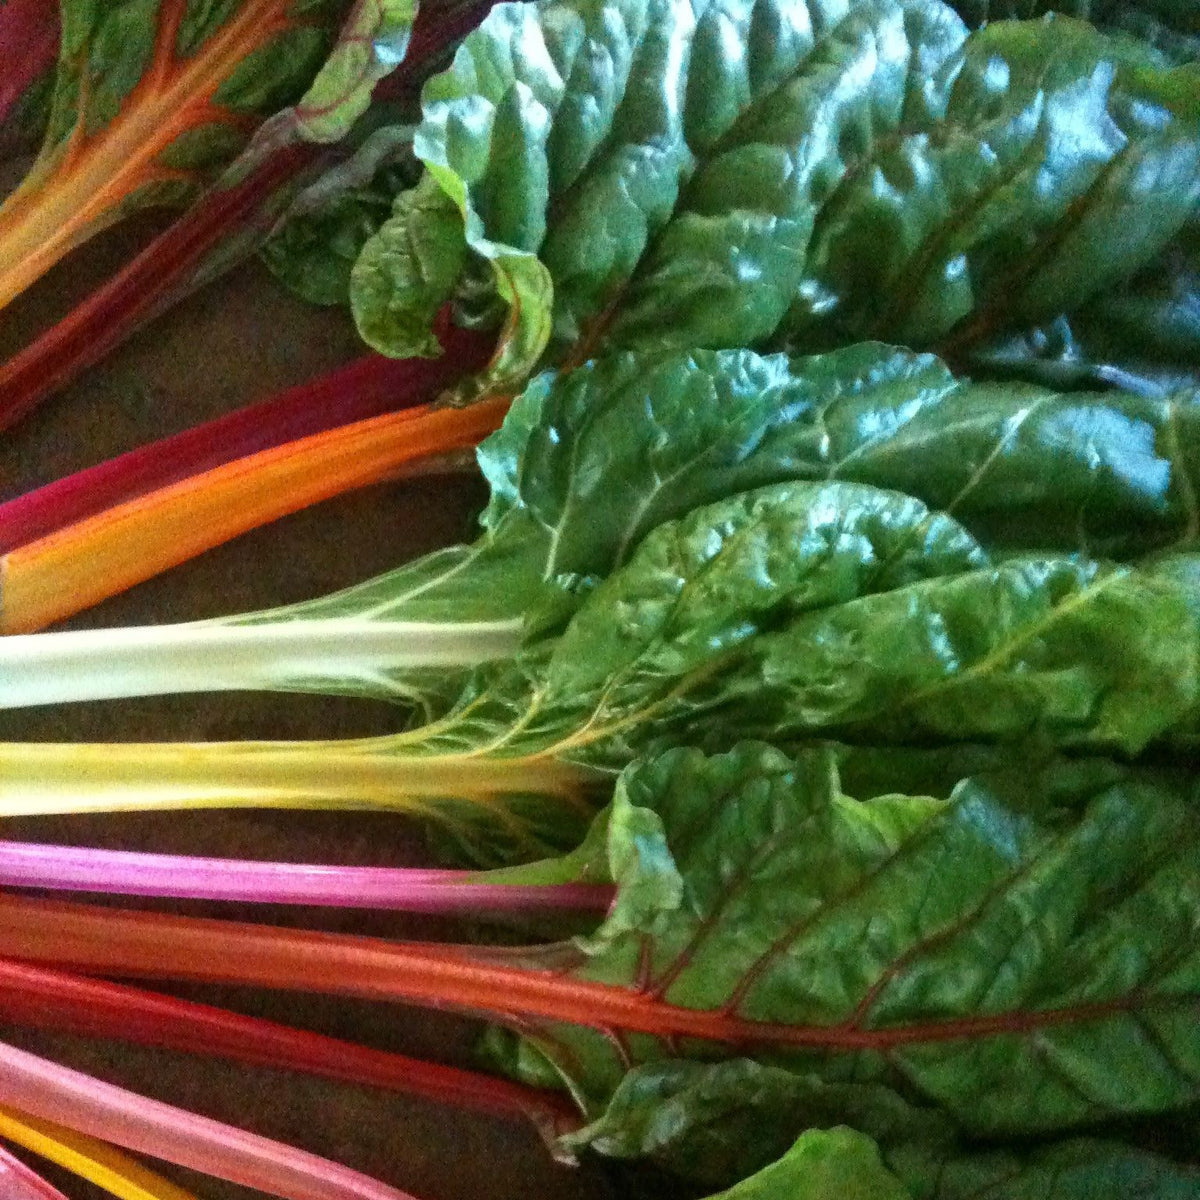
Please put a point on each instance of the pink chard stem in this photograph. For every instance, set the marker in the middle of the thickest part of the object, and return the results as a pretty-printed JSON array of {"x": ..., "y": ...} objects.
[
  {"x": 66, "y": 868},
  {"x": 19, "y": 1182},
  {"x": 100, "y": 1110}
]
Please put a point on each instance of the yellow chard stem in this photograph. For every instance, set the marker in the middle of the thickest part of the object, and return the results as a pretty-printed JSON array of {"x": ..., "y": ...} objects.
[
  {"x": 94, "y": 1161},
  {"x": 49, "y": 777}
]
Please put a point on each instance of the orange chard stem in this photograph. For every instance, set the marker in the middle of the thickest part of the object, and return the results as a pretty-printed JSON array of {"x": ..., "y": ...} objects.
[{"x": 72, "y": 569}]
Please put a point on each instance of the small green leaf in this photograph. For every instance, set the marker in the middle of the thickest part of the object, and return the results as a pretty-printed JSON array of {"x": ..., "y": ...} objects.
[
  {"x": 407, "y": 271},
  {"x": 317, "y": 241},
  {"x": 371, "y": 45},
  {"x": 825, "y": 1164}
]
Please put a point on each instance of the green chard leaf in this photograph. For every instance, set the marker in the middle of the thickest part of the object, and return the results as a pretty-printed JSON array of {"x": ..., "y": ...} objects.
[
  {"x": 1077, "y": 1169},
  {"x": 370, "y": 45},
  {"x": 649, "y": 173},
  {"x": 417, "y": 252},
  {"x": 721, "y": 1121},
  {"x": 1144, "y": 336},
  {"x": 1173, "y": 26},
  {"x": 150, "y": 101},
  {"x": 318, "y": 239},
  {"x": 824, "y": 1164},
  {"x": 1069, "y": 650},
  {"x": 316, "y": 227},
  {"x": 1006, "y": 969}
]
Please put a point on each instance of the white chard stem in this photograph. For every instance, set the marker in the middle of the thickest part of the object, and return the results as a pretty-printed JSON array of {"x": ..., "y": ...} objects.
[{"x": 107, "y": 664}]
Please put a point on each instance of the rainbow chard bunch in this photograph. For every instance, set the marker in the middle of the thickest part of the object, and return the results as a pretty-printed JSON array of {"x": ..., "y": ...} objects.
[
  {"x": 891, "y": 855},
  {"x": 708, "y": 546},
  {"x": 809, "y": 733},
  {"x": 778, "y": 960}
]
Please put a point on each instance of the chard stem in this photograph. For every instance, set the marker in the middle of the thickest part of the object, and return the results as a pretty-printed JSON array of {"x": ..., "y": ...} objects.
[
  {"x": 365, "y": 388},
  {"x": 49, "y": 777},
  {"x": 78, "y": 1104},
  {"x": 89, "y": 1159},
  {"x": 81, "y": 185},
  {"x": 211, "y": 656},
  {"x": 161, "y": 275},
  {"x": 19, "y": 1182},
  {"x": 42, "y": 999},
  {"x": 499, "y": 983},
  {"x": 224, "y": 226},
  {"x": 69, "y": 868},
  {"x": 74, "y": 568}
]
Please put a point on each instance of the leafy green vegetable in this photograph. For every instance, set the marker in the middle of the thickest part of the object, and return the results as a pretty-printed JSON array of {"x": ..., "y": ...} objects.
[
  {"x": 1171, "y": 25},
  {"x": 728, "y": 1120},
  {"x": 587, "y": 464},
  {"x": 1144, "y": 336},
  {"x": 524, "y": 740},
  {"x": 417, "y": 254},
  {"x": 1077, "y": 1169},
  {"x": 371, "y": 44},
  {"x": 1065, "y": 649},
  {"x": 319, "y": 237},
  {"x": 943, "y": 975},
  {"x": 825, "y": 1164},
  {"x": 645, "y": 173},
  {"x": 794, "y": 611},
  {"x": 1015, "y": 969},
  {"x": 231, "y": 219}
]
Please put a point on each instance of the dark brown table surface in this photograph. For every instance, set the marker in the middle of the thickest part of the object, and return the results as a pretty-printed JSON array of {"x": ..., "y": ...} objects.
[{"x": 238, "y": 341}]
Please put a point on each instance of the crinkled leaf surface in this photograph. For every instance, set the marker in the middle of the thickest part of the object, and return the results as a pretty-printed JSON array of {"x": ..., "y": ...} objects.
[
  {"x": 693, "y": 596},
  {"x": 317, "y": 233},
  {"x": 1017, "y": 970},
  {"x": 371, "y": 44},
  {"x": 650, "y": 172},
  {"x": 319, "y": 238},
  {"x": 417, "y": 252},
  {"x": 722, "y": 1121},
  {"x": 1068, "y": 650},
  {"x": 1078, "y": 1169},
  {"x": 1144, "y": 336}
]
